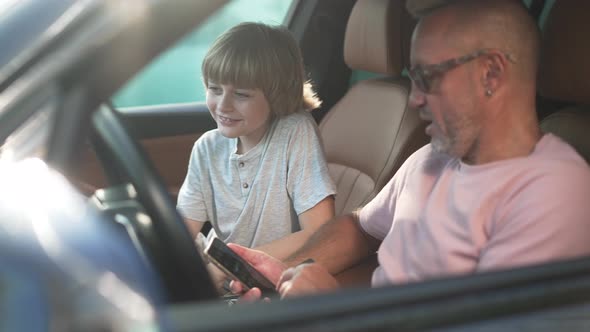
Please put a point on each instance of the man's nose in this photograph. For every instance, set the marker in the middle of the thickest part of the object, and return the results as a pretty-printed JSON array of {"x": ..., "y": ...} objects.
[{"x": 417, "y": 98}]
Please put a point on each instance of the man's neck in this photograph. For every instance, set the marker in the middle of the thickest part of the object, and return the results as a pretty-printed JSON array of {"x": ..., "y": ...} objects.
[{"x": 513, "y": 134}]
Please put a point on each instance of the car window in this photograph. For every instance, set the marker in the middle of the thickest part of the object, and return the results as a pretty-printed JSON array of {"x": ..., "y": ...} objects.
[{"x": 175, "y": 76}]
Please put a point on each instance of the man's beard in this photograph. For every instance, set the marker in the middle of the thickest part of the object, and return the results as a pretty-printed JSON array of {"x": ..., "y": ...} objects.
[{"x": 442, "y": 145}]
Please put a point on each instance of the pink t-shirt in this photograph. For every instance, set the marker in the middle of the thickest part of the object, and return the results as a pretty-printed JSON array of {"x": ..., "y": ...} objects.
[{"x": 439, "y": 216}]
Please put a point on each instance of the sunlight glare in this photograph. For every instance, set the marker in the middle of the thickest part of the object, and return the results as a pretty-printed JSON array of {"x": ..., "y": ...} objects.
[
  {"x": 35, "y": 189},
  {"x": 124, "y": 298},
  {"x": 5, "y": 5}
]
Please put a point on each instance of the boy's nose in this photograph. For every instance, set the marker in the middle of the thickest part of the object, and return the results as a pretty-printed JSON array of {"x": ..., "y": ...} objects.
[{"x": 225, "y": 103}]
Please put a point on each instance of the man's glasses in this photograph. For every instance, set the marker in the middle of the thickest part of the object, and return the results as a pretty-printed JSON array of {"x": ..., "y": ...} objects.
[{"x": 423, "y": 76}]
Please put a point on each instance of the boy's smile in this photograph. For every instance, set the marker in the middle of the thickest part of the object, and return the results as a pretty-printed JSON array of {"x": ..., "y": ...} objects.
[{"x": 239, "y": 113}]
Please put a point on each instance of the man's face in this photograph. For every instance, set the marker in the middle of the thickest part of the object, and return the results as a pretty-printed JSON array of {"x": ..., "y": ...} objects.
[{"x": 449, "y": 103}]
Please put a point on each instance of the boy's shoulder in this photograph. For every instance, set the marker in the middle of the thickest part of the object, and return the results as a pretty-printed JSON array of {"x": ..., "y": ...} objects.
[
  {"x": 212, "y": 135},
  {"x": 209, "y": 139},
  {"x": 297, "y": 119}
]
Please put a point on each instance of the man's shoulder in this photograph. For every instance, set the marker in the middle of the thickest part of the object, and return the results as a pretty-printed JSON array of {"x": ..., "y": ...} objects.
[
  {"x": 554, "y": 167},
  {"x": 556, "y": 159},
  {"x": 554, "y": 148}
]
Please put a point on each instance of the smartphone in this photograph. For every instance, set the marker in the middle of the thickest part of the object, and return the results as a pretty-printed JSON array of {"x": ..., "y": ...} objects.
[{"x": 236, "y": 267}]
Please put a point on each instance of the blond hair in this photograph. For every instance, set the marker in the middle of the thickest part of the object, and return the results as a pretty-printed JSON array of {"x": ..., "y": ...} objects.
[{"x": 259, "y": 56}]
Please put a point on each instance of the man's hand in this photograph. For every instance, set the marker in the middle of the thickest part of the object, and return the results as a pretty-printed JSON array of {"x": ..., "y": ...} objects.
[
  {"x": 269, "y": 266},
  {"x": 306, "y": 279},
  {"x": 300, "y": 280}
]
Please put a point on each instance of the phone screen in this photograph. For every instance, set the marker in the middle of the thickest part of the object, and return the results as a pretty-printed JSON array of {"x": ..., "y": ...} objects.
[{"x": 234, "y": 265}]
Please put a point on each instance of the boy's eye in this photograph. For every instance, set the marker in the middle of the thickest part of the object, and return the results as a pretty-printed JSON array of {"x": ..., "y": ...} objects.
[
  {"x": 242, "y": 94},
  {"x": 214, "y": 89}
]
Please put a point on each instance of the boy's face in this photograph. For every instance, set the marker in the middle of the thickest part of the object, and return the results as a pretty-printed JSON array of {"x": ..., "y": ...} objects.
[{"x": 241, "y": 113}]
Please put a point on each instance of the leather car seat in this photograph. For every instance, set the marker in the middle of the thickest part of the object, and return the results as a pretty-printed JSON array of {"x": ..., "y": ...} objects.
[
  {"x": 370, "y": 131},
  {"x": 564, "y": 72}
]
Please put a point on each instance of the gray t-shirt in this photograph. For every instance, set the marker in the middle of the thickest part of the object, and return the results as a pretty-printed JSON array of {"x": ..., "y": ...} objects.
[{"x": 255, "y": 198}]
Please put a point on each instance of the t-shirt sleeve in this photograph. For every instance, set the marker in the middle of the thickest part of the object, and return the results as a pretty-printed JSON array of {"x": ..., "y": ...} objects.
[
  {"x": 308, "y": 179},
  {"x": 548, "y": 218},
  {"x": 190, "y": 197},
  {"x": 376, "y": 217}
]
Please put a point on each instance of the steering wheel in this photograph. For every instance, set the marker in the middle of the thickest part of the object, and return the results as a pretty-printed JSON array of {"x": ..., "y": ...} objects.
[{"x": 165, "y": 239}]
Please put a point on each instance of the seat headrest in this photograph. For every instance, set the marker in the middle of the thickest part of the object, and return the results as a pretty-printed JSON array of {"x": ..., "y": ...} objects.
[
  {"x": 378, "y": 37},
  {"x": 564, "y": 71},
  {"x": 571, "y": 124}
]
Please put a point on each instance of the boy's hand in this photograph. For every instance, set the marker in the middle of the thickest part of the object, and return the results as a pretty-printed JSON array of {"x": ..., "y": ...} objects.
[{"x": 218, "y": 277}]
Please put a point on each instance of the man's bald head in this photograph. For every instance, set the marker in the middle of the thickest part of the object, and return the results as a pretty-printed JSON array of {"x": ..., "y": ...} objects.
[{"x": 469, "y": 25}]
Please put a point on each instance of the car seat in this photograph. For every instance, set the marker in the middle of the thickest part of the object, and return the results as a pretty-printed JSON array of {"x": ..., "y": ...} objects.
[
  {"x": 564, "y": 73},
  {"x": 370, "y": 131}
]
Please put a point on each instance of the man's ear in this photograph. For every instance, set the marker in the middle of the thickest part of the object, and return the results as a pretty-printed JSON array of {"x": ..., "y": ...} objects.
[{"x": 494, "y": 71}]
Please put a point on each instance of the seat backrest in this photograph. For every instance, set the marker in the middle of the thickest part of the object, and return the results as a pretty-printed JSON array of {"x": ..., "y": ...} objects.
[
  {"x": 370, "y": 132},
  {"x": 564, "y": 72}
]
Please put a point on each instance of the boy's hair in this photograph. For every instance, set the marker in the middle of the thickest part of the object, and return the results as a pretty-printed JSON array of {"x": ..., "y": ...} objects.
[{"x": 259, "y": 56}]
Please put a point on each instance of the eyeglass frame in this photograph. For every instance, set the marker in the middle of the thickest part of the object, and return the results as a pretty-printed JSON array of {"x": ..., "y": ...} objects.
[{"x": 423, "y": 75}]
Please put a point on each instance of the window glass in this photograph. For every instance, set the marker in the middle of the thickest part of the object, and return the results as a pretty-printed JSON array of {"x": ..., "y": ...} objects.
[
  {"x": 361, "y": 75},
  {"x": 175, "y": 76},
  {"x": 545, "y": 12}
]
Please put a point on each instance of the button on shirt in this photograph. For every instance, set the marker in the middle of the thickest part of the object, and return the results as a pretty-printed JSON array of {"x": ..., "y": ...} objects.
[{"x": 246, "y": 167}]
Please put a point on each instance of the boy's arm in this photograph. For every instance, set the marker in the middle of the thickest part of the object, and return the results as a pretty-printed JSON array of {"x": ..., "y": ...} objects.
[
  {"x": 310, "y": 220},
  {"x": 193, "y": 226}
]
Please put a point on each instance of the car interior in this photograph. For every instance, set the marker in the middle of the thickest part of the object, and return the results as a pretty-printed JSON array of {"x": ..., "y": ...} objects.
[
  {"x": 366, "y": 127},
  {"x": 370, "y": 131},
  {"x": 562, "y": 98},
  {"x": 563, "y": 71},
  {"x": 356, "y": 53}
]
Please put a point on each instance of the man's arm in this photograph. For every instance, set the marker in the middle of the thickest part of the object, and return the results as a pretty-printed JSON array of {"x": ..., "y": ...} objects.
[
  {"x": 337, "y": 245},
  {"x": 310, "y": 220}
]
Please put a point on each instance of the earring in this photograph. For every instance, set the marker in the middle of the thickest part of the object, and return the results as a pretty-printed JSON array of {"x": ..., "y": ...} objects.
[{"x": 488, "y": 92}]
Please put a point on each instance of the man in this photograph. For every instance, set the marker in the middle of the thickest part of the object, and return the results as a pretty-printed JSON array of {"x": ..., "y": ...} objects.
[{"x": 490, "y": 191}]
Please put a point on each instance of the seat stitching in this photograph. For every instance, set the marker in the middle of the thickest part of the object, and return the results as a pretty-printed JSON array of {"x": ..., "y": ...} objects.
[{"x": 404, "y": 115}]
